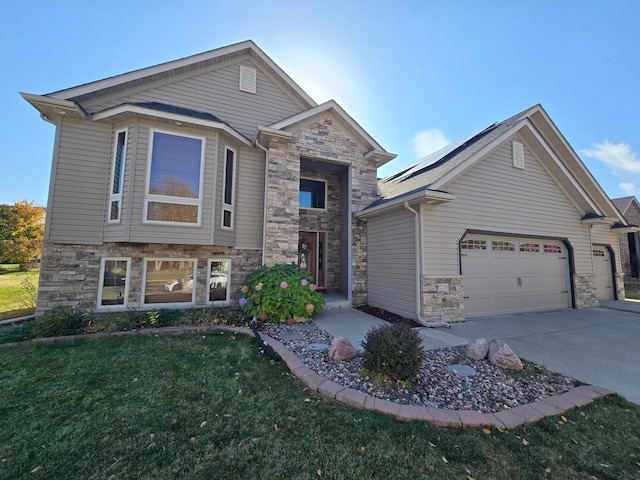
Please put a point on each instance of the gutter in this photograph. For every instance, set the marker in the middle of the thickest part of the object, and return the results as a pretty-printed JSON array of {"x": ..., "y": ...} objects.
[
  {"x": 421, "y": 320},
  {"x": 264, "y": 203},
  {"x": 433, "y": 197}
]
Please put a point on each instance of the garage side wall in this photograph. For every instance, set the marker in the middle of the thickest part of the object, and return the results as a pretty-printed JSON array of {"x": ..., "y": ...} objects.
[
  {"x": 494, "y": 196},
  {"x": 392, "y": 263}
]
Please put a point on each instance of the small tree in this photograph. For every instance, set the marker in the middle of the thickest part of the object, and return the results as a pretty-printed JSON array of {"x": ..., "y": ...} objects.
[{"x": 21, "y": 231}]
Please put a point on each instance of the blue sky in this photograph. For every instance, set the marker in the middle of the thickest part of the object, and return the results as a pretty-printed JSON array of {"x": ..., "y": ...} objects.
[{"x": 415, "y": 74}]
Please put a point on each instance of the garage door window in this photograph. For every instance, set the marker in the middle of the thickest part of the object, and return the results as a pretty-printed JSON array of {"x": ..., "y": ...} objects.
[
  {"x": 530, "y": 247},
  {"x": 552, "y": 249},
  {"x": 503, "y": 246},
  {"x": 598, "y": 253},
  {"x": 473, "y": 245}
]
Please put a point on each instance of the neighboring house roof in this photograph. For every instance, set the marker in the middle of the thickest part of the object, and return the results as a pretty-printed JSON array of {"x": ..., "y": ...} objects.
[
  {"x": 376, "y": 152},
  {"x": 623, "y": 203},
  {"x": 429, "y": 177}
]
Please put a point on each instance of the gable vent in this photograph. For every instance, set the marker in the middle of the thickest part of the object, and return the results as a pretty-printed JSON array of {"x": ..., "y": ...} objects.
[
  {"x": 518, "y": 155},
  {"x": 247, "y": 79}
]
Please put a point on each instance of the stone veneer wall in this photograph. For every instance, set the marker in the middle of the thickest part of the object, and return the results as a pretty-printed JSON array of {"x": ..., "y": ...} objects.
[
  {"x": 619, "y": 279},
  {"x": 444, "y": 304},
  {"x": 283, "y": 201},
  {"x": 329, "y": 140},
  {"x": 586, "y": 292},
  {"x": 69, "y": 273}
]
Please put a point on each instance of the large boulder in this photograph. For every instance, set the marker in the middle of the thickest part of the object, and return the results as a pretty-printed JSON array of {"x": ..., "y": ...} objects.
[
  {"x": 477, "y": 349},
  {"x": 501, "y": 355},
  {"x": 341, "y": 349}
]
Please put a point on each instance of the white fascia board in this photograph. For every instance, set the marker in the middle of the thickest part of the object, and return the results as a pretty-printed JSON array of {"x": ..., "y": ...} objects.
[
  {"x": 424, "y": 196},
  {"x": 165, "y": 67},
  {"x": 175, "y": 117},
  {"x": 379, "y": 157},
  {"x": 330, "y": 105},
  {"x": 266, "y": 134},
  {"x": 53, "y": 102}
]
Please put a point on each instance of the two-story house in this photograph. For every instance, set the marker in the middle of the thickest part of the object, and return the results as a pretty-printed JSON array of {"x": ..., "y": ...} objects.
[{"x": 171, "y": 184}]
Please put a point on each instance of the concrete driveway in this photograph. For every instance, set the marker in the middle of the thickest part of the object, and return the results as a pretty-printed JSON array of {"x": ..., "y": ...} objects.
[{"x": 599, "y": 346}]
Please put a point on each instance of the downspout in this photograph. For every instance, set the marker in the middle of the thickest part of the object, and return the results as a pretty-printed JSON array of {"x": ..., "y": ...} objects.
[
  {"x": 418, "y": 282},
  {"x": 264, "y": 207}
]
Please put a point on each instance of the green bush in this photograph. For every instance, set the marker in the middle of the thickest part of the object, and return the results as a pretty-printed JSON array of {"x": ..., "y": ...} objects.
[
  {"x": 59, "y": 321},
  {"x": 394, "y": 351},
  {"x": 281, "y": 292}
]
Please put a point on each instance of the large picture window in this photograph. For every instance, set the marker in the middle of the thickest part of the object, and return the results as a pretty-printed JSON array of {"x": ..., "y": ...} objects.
[
  {"x": 219, "y": 281},
  {"x": 114, "y": 279},
  {"x": 174, "y": 186},
  {"x": 312, "y": 193},
  {"x": 117, "y": 175},
  {"x": 168, "y": 280}
]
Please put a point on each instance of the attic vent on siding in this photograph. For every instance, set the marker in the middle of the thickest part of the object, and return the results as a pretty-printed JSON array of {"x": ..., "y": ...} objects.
[
  {"x": 247, "y": 79},
  {"x": 518, "y": 155}
]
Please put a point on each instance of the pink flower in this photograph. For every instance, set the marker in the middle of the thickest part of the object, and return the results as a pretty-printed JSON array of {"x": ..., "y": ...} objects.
[
  {"x": 283, "y": 285},
  {"x": 244, "y": 289},
  {"x": 303, "y": 282},
  {"x": 309, "y": 308},
  {"x": 313, "y": 287},
  {"x": 258, "y": 287}
]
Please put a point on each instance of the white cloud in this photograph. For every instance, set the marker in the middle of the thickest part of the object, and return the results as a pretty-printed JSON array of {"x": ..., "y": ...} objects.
[
  {"x": 429, "y": 141},
  {"x": 619, "y": 157},
  {"x": 629, "y": 188}
]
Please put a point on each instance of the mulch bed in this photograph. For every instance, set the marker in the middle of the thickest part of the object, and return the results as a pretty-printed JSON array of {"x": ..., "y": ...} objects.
[{"x": 388, "y": 316}]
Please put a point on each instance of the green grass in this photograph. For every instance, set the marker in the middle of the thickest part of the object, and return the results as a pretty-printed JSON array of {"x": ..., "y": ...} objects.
[
  {"x": 135, "y": 407},
  {"x": 15, "y": 299}
]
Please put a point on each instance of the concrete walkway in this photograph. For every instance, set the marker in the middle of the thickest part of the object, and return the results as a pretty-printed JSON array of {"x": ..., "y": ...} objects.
[{"x": 598, "y": 346}]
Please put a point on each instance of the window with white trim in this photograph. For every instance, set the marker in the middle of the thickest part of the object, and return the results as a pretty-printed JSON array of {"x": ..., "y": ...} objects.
[
  {"x": 219, "y": 281},
  {"x": 174, "y": 179},
  {"x": 113, "y": 283},
  {"x": 313, "y": 193},
  {"x": 117, "y": 175},
  {"x": 228, "y": 191},
  {"x": 169, "y": 280}
]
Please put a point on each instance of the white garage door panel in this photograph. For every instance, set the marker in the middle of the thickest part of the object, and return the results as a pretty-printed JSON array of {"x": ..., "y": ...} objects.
[
  {"x": 500, "y": 282},
  {"x": 604, "y": 273}
]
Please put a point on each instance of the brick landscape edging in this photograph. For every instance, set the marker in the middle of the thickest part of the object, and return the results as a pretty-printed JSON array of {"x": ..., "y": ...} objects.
[{"x": 441, "y": 417}]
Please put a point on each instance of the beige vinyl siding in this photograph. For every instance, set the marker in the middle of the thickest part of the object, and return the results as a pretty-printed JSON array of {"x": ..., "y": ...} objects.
[
  {"x": 250, "y": 198},
  {"x": 494, "y": 196},
  {"x": 392, "y": 262},
  {"x": 178, "y": 234},
  {"x": 79, "y": 184},
  {"x": 217, "y": 91}
]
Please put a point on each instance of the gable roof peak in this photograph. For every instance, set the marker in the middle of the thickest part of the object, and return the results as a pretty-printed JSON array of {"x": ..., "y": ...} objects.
[{"x": 166, "y": 69}]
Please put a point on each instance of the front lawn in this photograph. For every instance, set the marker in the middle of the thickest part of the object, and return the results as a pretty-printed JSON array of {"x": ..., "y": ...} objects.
[
  {"x": 17, "y": 292},
  {"x": 211, "y": 406}
]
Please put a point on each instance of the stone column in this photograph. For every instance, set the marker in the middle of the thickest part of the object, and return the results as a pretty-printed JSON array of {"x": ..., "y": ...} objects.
[
  {"x": 620, "y": 286},
  {"x": 283, "y": 207},
  {"x": 586, "y": 292}
]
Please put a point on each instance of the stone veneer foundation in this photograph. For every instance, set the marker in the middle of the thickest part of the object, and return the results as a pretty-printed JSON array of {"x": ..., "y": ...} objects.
[
  {"x": 69, "y": 273},
  {"x": 442, "y": 299},
  {"x": 586, "y": 293}
]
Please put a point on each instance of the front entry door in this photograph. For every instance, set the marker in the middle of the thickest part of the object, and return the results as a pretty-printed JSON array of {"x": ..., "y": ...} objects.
[{"x": 311, "y": 255}]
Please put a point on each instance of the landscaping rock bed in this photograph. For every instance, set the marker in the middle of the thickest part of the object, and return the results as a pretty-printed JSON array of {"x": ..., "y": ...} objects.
[{"x": 491, "y": 389}]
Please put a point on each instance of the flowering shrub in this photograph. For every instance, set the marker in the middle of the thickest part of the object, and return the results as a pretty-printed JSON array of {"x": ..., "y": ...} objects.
[{"x": 281, "y": 292}]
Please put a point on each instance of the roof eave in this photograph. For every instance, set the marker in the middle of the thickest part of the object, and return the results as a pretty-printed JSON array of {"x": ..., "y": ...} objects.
[
  {"x": 52, "y": 108},
  {"x": 177, "y": 118},
  {"x": 424, "y": 196},
  {"x": 266, "y": 135}
]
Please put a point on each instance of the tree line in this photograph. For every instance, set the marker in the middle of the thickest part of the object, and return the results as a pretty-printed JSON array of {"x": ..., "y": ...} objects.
[{"x": 21, "y": 231}]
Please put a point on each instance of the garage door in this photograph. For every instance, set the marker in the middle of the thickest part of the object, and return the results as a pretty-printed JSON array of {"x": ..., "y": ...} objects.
[
  {"x": 604, "y": 273},
  {"x": 514, "y": 275}
]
